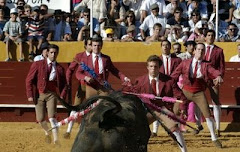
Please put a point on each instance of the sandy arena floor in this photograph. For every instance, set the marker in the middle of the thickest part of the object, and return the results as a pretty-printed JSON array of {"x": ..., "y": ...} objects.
[{"x": 28, "y": 137}]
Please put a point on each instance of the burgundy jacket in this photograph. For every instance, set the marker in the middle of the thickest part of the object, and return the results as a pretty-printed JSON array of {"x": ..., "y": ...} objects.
[
  {"x": 208, "y": 72},
  {"x": 37, "y": 75},
  {"x": 175, "y": 61},
  {"x": 217, "y": 59},
  {"x": 107, "y": 67},
  {"x": 73, "y": 66},
  {"x": 167, "y": 87}
]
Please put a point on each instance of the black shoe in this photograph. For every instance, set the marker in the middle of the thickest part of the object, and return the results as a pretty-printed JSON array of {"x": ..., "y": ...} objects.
[
  {"x": 217, "y": 143},
  {"x": 197, "y": 131},
  {"x": 153, "y": 135},
  {"x": 217, "y": 133}
]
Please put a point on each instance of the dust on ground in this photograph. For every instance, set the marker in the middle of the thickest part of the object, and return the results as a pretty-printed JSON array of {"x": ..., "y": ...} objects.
[{"x": 29, "y": 137}]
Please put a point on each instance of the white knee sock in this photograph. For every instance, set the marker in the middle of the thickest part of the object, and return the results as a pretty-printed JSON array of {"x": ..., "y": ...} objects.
[
  {"x": 211, "y": 127},
  {"x": 198, "y": 116},
  {"x": 181, "y": 140},
  {"x": 155, "y": 126},
  {"x": 71, "y": 123},
  {"x": 53, "y": 123},
  {"x": 44, "y": 126},
  {"x": 217, "y": 115}
]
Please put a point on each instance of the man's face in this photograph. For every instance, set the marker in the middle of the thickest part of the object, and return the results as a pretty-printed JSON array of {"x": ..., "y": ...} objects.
[
  {"x": 165, "y": 48},
  {"x": 52, "y": 54},
  {"x": 86, "y": 16},
  {"x": 176, "y": 48},
  {"x": 96, "y": 47},
  {"x": 89, "y": 46},
  {"x": 155, "y": 11},
  {"x": 14, "y": 16},
  {"x": 2, "y": 3},
  {"x": 153, "y": 68},
  {"x": 190, "y": 48},
  {"x": 43, "y": 10},
  {"x": 210, "y": 38},
  {"x": 177, "y": 14},
  {"x": 199, "y": 52},
  {"x": 27, "y": 11},
  {"x": 231, "y": 30},
  {"x": 157, "y": 30}
]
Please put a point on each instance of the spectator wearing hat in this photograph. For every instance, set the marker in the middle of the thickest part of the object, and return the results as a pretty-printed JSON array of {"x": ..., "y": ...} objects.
[
  {"x": 236, "y": 19},
  {"x": 177, "y": 18},
  {"x": 147, "y": 5},
  {"x": 190, "y": 45},
  {"x": 131, "y": 35},
  {"x": 85, "y": 21},
  {"x": 231, "y": 35},
  {"x": 236, "y": 58},
  {"x": 150, "y": 20},
  {"x": 13, "y": 32},
  {"x": 61, "y": 31},
  {"x": 156, "y": 37},
  {"x": 35, "y": 27},
  {"x": 5, "y": 9},
  {"x": 44, "y": 50},
  {"x": 109, "y": 35}
]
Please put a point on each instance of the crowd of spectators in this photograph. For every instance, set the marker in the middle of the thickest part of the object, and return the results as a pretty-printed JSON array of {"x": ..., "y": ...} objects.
[{"x": 119, "y": 20}]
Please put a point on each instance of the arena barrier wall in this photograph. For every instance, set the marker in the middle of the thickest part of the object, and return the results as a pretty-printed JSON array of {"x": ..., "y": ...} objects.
[
  {"x": 119, "y": 51},
  {"x": 15, "y": 107}
]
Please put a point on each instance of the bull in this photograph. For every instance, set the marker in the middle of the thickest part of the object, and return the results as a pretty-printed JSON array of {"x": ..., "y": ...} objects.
[{"x": 118, "y": 123}]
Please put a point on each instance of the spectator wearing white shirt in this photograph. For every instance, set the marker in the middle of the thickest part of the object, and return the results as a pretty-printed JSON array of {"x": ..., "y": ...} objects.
[
  {"x": 43, "y": 55},
  {"x": 146, "y": 8},
  {"x": 151, "y": 20},
  {"x": 236, "y": 58}
]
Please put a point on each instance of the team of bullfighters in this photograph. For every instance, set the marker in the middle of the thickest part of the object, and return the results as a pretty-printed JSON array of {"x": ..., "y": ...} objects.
[{"x": 200, "y": 69}]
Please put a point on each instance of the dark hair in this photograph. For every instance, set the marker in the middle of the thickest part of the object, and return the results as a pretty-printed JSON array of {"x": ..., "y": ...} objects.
[
  {"x": 169, "y": 43},
  {"x": 232, "y": 24},
  {"x": 97, "y": 38},
  {"x": 199, "y": 44},
  {"x": 86, "y": 40},
  {"x": 86, "y": 10},
  {"x": 127, "y": 14},
  {"x": 154, "y": 58},
  {"x": 157, "y": 24},
  {"x": 44, "y": 5},
  {"x": 210, "y": 31},
  {"x": 196, "y": 11},
  {"x": 177, "y": 44},
  {"x": 53, "y": 46},
  {"x": 178, "y": 9}
]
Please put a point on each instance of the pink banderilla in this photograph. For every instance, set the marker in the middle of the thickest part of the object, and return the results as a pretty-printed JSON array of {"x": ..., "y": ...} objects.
[
  {"x": 153, "y": 97},
  {"x": 77, "y": 115}
]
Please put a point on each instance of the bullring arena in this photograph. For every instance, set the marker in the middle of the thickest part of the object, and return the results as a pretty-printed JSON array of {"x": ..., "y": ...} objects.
[{"x": 20, "y": 133}]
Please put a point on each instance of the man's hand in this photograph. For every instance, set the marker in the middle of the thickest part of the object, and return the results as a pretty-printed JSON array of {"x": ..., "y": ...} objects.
[
  {"x": 30, "y": 99},
  {"x": 126, "y": 79},
  {"x": 218, "y": 81},
  {"x": 88, "y": 79}
]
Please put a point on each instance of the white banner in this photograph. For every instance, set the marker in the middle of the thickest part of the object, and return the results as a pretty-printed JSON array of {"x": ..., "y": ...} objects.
[{"x": 64, "y": 5}]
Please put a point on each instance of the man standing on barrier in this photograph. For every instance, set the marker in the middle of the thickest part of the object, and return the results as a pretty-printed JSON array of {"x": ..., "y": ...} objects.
[
  {"x": 49, "y": 77},
  {"x": 159, "y": 84}
]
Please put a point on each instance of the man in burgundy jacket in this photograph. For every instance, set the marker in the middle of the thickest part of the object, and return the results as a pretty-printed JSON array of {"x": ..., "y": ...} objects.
[
  {"x": 214, "y": 55},
  {"x": 49, "y": 77},
  {"x": 159, "y": 84},
  {"x": 195, "y": 75},
  {"x": 80, "y": 94},
  {"x": 102, "y": 65},
  {"x": 170, "y": 63}
]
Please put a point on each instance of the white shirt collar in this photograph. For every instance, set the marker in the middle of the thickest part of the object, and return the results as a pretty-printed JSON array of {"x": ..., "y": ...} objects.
[
  {"x": 195, "y": 60},
  {"x": 48, "y": 62},
  {"x": 94, "y": 55},
  {"x": 166, "y": 56},
  {"x": 88, "y": 53},
  {"x": 150, "y": 78}
]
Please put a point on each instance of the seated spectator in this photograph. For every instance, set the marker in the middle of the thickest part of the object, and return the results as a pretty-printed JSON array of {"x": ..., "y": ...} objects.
[
  {"x": 156, "y": 37},
  {"x": 110, "y": 35},
  {"x": 147, "y": 10},
  {"x": 199, "y": 33},
  {"x": 48, "y": 22},
  {"x": 68, "y": 36},
  {"x": 150, "y": 20},
  {"x": 86, "y": 21},
  {"x": 13, "y": 33},
  {"x": 117, "y": 12},
  {"x": 231, "y": 35},
  {"x": 226, "y": 10},
  {"x": 195, "y": 18},
  {"x": 199, "y": 5},
  {"x": 130, "y": 36},
  {"x": 84, "y": 33},
  {"x": 236, "y": 19},
  {"x": 5, "y": 9},
  {"x": 190, "y": 46},
  {"x": 236, "y": 58},
  {"x": 35, "y": 27},
  {"x": 177, "y": 18},
  {"x": 176, "y": 34},
  {"x": 27, "y": 10},
  {"x": 222, "y": 25},
  {"x": 60, "y": 29},
  {"x": 134, "y": 5},
  {"x": 44, "y": 49},
  {"x": 177, "y": 48},
  {"x": 130, "y": 20},
  {"x": 170, "y": 8},
  {"x": 2, "y": 24}
]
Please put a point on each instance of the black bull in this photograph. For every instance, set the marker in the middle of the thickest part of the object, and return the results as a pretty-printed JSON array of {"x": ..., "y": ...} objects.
[{"x": 118, "y": 123}]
